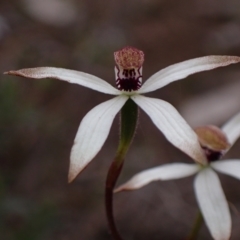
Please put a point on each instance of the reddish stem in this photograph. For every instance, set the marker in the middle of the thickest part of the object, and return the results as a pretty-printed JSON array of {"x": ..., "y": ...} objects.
[{"x": 112, "y": 177}]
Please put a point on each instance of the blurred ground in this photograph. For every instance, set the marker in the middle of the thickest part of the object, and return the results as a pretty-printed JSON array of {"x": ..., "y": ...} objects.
[{"x": 39, "y": 119}]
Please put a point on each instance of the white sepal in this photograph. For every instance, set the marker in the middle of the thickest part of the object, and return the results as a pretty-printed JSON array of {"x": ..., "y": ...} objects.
[
  {"x": 92, "y": 134},
  {"x": 72, "y": 76},
  {"x": 232, "y": 129},
  {"x": 213, "y": 204},
  {"x": 164, "y": 172},
  {"x": 230, "y": 167},
  {"x": 172, "y": 125},
  {"x": 183, "y": 69}
]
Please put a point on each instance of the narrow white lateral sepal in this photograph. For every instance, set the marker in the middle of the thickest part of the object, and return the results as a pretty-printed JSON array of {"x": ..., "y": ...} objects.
[
  {"x": 232, "y": 129},
  {"x": 72, "y": 76},
  {"x": 230, "y": 167},
  {"x": 183, "y": 69},
  {"x": 213, "y": 204},
  {"x": 172, "y": 125},
  {"x": 92, "y": 134},
  {"x": 164, "y": 172}
]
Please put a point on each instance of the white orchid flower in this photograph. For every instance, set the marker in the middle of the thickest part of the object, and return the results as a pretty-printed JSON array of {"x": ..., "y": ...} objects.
[
  {"x": 96, "y": 125},
  {"x": 208, "y": 189}
]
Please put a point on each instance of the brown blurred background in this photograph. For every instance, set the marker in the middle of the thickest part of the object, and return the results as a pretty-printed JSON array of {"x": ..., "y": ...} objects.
[{"x": 39, "y": 119}]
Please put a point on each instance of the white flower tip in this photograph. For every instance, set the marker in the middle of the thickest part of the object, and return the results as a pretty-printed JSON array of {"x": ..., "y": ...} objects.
[
  {"x": 117, "y": 190},
  {"x": 70, "y": 179},
  {"x": 75, "y": 168},
  {"x": 139, "y": 180},
  {"x": 73, "y": 173},
  {"x": 11, "y": 72},
  {"x": 233, "y": 59},
  {"x": 123, "y": 187},
  {"x": 224, "y": 60},
  {"x": 27, "y": 72}
]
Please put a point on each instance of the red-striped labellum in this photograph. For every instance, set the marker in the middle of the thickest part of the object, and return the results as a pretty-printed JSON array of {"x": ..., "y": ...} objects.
[{"x": 128, "y": 69}]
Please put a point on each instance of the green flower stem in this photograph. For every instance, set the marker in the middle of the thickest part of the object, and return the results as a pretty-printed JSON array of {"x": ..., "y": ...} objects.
[
  {"x": 129, "y": 117},
  {"x": 196, "y": 227}
]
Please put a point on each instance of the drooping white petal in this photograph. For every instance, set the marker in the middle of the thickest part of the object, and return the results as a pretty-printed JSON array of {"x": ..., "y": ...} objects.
[
  {"x": 230, "y": 167},
  {"x": 183, "y": 69},
  {"x": 72, "y": 76},
  {"x": 172, "y": 125},
  {"x": 213, "y": 204},
  {"x": 92, "y": 134},
  {"x": 232, "y": 129},
  {"x": 164, "y": 172}
]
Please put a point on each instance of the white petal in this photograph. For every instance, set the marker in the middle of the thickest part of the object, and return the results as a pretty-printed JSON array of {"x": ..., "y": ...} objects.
[
  {"x": 230, "y": 167},
  {"x": 92, "y": 134},
  {"x": 232, "y": 129},
  {"x": 183, "y": 69},
  {"x": 164, "y": 172},
  {"x": 172, "y": 125},
  {"x": 213, "y": 204},
  {"x": 72, "y": 76}
]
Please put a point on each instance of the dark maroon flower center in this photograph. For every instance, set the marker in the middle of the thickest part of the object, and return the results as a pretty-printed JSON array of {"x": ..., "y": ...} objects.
[
  {"x": 212, "y": 155},
  {"x": 128, "y": 79},
  {"x": 128, "y": 68}
]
